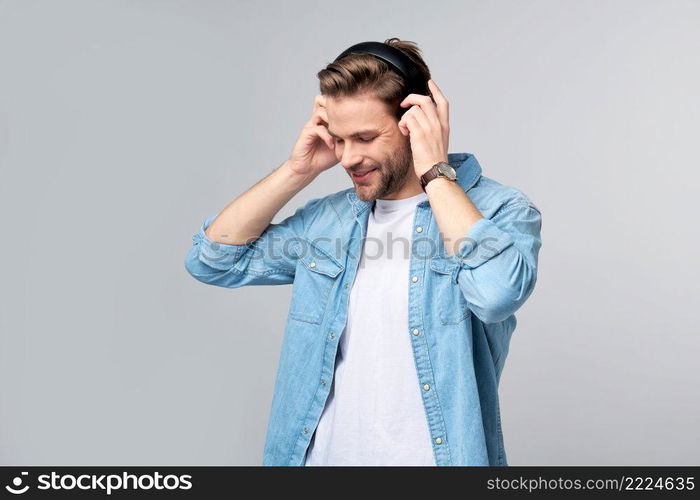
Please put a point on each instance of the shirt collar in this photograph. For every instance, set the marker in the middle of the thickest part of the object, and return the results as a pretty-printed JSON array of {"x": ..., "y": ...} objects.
[{"x": 465, "y": 164}]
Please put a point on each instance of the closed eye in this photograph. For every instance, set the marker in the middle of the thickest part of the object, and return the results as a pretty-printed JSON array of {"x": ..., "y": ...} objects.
[{"x": 361, "y": 140}]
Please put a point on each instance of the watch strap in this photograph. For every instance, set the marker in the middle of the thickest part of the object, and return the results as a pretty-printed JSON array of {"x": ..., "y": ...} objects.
[
  {"x": 431, "y": 174},
  {"x": 428, "y": 176}
]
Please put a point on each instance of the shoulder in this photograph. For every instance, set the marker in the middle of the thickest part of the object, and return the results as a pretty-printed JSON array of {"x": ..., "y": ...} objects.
[
  {"x": 491, "y": 197},
  {"x": 323, "y": 213},
  {"x": 337, "y": 200}
]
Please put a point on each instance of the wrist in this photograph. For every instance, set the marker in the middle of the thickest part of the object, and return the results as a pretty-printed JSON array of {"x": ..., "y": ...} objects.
[
  {"x": 294, "y": 177},
  {"x": 437, "y": 184},
  {"x": 439, "y": 170}
]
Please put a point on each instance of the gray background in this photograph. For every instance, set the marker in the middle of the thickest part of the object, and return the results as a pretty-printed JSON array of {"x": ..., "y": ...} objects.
[{"x": 124, "y": 124}]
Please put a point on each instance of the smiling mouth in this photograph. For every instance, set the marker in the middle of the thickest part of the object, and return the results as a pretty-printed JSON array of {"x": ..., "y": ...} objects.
[{"x": 363, "y": 177}]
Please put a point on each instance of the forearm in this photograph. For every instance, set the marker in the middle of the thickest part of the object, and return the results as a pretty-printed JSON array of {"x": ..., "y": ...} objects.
[
  {"x": 247, "y": 216},
  {"x": 453, "y": 210}
]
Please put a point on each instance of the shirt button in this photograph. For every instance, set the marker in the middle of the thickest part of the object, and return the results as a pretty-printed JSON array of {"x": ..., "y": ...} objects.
[
  {"x": 323, "y": 383},
  {"x": 414, "y": 279},
  {"x": 416, "y": 331},
  {"x": 438, "y": 440},
  {"x": 426, "y": 387},
  {"x": 332, "y": 335},
  {"x": 419, "y": 229},
  {"x": 306, "y": 431},
  {"x": 346, "y": 286},
  {"x": 313, "y": 264}
]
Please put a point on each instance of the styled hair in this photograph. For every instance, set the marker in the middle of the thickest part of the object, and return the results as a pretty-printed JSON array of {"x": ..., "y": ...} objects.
[{"x": 358, "y": 74}]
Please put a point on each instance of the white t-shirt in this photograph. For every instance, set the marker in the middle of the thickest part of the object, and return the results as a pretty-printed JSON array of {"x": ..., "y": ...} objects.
[{"x": 374, "y": 414}]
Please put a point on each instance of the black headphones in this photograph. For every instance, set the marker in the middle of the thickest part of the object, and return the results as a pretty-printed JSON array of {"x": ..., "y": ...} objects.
[{"x": 404, "y": 66}]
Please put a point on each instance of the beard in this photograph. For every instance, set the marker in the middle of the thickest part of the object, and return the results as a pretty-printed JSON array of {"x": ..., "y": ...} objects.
[{"x": 390, "y": 177}]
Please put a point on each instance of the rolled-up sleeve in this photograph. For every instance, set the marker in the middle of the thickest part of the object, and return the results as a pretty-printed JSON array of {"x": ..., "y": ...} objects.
[
  {"x": 268, "y": 260},
  {"x": 497, "y": 262},
  {"x": 214, "y": 254}
]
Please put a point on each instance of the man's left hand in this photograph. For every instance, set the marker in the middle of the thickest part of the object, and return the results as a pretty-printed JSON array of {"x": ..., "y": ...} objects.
[{"x": 428, "y": 124}]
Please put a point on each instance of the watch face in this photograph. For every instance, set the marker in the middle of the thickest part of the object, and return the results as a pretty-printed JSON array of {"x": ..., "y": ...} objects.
[{"x": 447, "y": 170}]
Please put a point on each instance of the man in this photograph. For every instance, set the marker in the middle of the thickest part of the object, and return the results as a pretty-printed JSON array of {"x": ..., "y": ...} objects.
[{"x": 388, "y": 358}]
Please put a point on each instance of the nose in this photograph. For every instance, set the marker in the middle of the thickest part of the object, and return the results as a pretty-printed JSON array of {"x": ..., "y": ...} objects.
[{"x": 349, "y": 158}]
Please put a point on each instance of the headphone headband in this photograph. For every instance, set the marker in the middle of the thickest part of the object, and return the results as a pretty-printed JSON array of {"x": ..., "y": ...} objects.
[{"x": 396, "y": 59}]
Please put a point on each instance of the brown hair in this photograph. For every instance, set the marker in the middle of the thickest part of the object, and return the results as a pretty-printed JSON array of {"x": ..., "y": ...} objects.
[{"x": 365, "y": 74}]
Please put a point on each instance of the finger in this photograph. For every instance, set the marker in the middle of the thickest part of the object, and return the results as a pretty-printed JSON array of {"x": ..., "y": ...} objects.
[
  {"x": 323, "y": 114},
  {"x": 410, "y": 124},
  {"x": 425, "y": 103},
  {"x": 319, "y": 102},
  {"x": 442, "y": 105},
  {"x": 421, "y": 120},
  {"x": 322, "y": 132},
  {"x": 403, "y": 127},
  {"x": 320, "y": 117},
  {"x": 435, "y": 90}
]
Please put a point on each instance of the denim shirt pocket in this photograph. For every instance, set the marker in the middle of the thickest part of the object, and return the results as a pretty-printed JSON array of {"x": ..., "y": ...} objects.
[
  {"x": 452, "y": 306},
  {"x": 316, "y": 273}
]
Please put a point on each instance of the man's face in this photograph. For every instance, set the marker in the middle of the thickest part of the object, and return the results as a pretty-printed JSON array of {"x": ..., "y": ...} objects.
[{"x": 367, "y": 137}]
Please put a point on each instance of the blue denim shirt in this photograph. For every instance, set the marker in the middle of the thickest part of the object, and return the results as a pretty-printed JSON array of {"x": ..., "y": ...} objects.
[{"x": 461, "y": 309}]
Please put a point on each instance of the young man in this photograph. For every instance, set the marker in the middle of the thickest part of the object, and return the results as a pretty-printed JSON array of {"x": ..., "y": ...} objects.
[{"x": 390, "y": 357}]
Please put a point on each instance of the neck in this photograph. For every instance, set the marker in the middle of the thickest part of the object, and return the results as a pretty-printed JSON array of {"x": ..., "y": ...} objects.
[{"x": 412, "y": 187}]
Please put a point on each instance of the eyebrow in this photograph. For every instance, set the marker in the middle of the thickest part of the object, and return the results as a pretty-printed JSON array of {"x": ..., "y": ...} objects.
[{"x": 357, "y": 134}]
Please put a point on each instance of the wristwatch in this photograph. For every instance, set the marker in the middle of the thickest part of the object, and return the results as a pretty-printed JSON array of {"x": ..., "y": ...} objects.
[{"x": 440, "y": 169}]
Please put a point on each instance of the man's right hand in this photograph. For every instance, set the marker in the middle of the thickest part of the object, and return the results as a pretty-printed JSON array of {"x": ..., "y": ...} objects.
[{"x": 314, "y": 150}]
